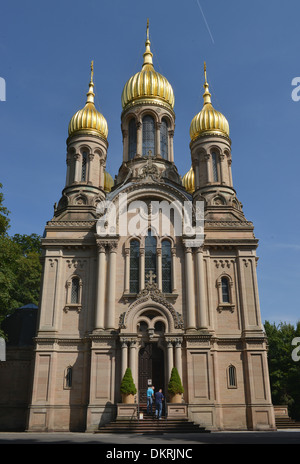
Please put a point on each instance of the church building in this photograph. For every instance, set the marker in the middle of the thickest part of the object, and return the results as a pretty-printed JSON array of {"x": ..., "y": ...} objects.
[{"x": 152, "y": 298}]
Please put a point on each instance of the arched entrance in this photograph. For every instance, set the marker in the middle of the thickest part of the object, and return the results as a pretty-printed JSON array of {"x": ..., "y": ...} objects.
[{"x": 151, "y": 369}]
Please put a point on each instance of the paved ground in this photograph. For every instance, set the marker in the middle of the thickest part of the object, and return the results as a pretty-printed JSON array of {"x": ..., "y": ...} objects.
[{"x": 172, "y": 440}]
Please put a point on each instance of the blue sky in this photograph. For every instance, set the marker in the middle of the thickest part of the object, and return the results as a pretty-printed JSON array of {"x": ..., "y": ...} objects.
[{"x": 252, "y": 55}]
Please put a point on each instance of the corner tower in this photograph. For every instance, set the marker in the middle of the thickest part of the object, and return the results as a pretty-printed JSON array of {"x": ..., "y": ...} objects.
[
  {"x": 210, "y": 147},
  {"x": 87, "y": 182}
]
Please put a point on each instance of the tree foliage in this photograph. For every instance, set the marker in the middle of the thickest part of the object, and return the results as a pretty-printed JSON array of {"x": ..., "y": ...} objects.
[
  {"x": 283, "y": 370},
  {"x": 175, "y": 386},
  {"x": 20, "y": 267},
  {"x": 127, "y": 384}
]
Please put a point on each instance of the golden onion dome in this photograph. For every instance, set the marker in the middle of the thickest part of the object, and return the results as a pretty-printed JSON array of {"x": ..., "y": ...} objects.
[
  {"x": 108, "y": 182},
  {"x": 209, "y": 120},
  {"x": 188, "y": 181},
  {"x": 88, "y": 119},
  {"x": 148, "y": 86}
]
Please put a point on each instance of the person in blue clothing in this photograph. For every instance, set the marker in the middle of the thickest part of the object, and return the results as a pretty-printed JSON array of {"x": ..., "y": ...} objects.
[
  {"x": 159, "y": 397},
  {"x": 150, "y": 396}
]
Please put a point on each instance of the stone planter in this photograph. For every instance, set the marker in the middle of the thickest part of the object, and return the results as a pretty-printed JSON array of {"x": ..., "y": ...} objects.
[
  {"x": 175, "y": 398},
  {"x": 127, "y": 399}
]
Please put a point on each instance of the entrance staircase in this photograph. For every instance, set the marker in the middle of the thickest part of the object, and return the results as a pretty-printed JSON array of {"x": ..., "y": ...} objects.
[
  {"x": 286, "y": 423},
  {"x": 149, "y": 424}
]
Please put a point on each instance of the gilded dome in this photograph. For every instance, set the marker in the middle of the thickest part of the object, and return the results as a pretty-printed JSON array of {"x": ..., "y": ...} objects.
[
  {"x": 108, "y": 182},
  {"x": 88, "y": 119},
  {"x": 209, "y": 120},
  {"x": 188, "y": 181},
  {"x": 148, "y": 86}
]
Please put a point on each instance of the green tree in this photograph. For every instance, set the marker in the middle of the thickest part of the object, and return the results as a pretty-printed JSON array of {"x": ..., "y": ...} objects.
[
  {"x": 127, "y": 384},
  {"x": 20, "y": 267},
  {"x": 175, "y": 386}
]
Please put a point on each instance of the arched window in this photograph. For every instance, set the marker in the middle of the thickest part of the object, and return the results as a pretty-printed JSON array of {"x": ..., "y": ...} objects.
[
  {"x": 164, "y": 139},
  {"x": 83, "y": 166},
  {"x": 148, "y": 136},
  {"x": 75, "y": 290},
  {"x": 134, "y": 266},
  {"x": 231, "y": 374},
  {"x": 225, "y": 290},
  {"x": 166, "y": 266},
  {"x": 131, "y": 139},
  {"x": 214, "y": 167},
  {"x": 150, "y": 255}
]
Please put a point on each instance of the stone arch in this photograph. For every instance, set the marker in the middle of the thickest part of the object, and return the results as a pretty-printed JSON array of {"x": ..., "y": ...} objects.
[{"x": 163, "y": 311}]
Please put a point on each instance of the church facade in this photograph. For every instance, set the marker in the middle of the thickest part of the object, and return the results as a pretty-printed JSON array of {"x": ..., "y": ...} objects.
[{"x": 152, "y": 298}]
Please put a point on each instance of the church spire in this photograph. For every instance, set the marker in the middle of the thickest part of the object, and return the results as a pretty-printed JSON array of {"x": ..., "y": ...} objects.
[
  {"x": 90, "y": 95},
  {"x": 148, "y": 54},
  {"x": 207, "y": 94}
]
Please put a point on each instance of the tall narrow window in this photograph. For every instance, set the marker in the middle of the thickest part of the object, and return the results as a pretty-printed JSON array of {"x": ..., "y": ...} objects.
[
  {"x": 232, "y": 377},
  {"x": 166, "y": 266},
  {"x": 148, "y": 136},
  {"x": 164, "y": 139},
  {"x": 69, "y": 375},
  {"x": 225, "y": 290},
  {"x": 134, "y": 266},
  {"x": 75, "y": 291},
  {"x": 131, "y": 139},
  {"x": 150, "y": 255},
  {"x": 83, "y": 166},
  {"x": 214, "y": 167}
]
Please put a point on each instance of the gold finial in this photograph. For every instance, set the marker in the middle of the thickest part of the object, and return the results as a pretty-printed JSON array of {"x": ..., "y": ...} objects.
[
  {"x": 206, "y": 94},
  {"x": 92, "y": 70},
  {"x": 90, "y": 95},
  {"x": 147, "y": 55}
]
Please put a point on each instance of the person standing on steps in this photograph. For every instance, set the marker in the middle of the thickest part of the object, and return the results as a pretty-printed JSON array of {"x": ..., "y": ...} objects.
[
  {"x": 150, "y": 396},
  {"x": 159, "y": 397}
]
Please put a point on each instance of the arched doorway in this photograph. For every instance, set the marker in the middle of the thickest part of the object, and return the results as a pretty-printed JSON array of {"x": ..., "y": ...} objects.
[{"x": 151, "y": 369}]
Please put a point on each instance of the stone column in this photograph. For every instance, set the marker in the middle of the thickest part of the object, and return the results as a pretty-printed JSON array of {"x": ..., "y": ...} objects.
[
  {"x": 159, "y": 268},
  {"x": 173, "y": 270},
  {"x": 171, "y": 149},
  {"x": 178, "y": 358},
  {"x": 127, "y": 271},
  {"x": 91, "y": 156},
  {"x": 170, "y": 358},
  {"x": 208, "y": 170},
  {"x": 125, "y": 144},
  {"x": 133, "y": 360},
  {"x": 189, "y": 289},
  {"x": 157, "y": 139},
  {"x": 100, "y": 298},
  {"x": 142, "y": 268},
  {"x": 68, "y": 161},
  {"x": 202, "y": 319},
  {"x": 230, "y": 172},
  {"x": 124, "y": 361},
  {"x": 77, "y": 170},
  {"x": 111, "y": 290},
  {"x": 101, "y": 173},
  {"x": 196, "y": 173},
  {"x": 139, "y": 137}
]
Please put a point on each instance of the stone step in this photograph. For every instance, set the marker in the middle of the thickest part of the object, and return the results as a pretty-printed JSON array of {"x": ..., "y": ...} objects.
[
  {"x": 286, "y": 423},
  {"x": 152, "y": 426}
]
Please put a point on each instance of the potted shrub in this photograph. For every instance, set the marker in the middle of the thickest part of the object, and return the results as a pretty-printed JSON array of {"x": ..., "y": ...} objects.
[
  {"x": 175, "y": 388},
  {"x": 128, "y": 389}
]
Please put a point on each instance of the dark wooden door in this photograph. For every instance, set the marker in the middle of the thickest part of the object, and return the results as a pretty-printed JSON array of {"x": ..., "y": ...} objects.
[{"x": 151, "y": 367}]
